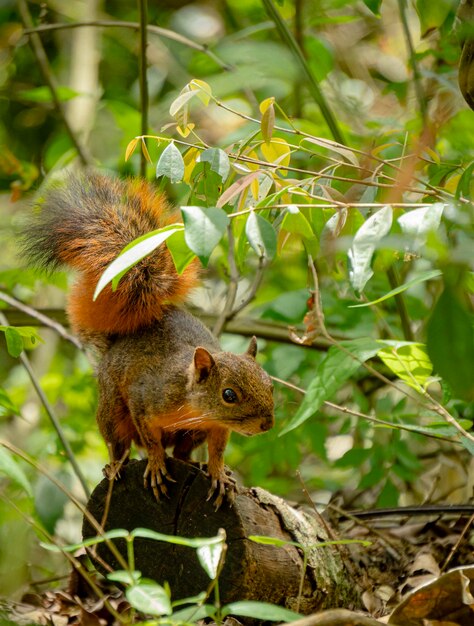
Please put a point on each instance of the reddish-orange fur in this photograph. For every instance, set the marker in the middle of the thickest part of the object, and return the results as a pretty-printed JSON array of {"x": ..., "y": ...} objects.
[{"x": 119, "y": 311}]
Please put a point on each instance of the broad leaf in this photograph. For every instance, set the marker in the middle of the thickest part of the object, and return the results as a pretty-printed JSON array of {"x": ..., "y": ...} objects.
[
  {"x": 409, "y": 361},
  {"x": 364, "y": 244},
  {"x": 277, "y": 151},
  {"x": 335, "y": 369},
  {"x": 218, "y": 161},
  {"x": 421, "y": 278},
  {"x": 209, "y": 557},
  {"x": 450, "y": 343},
  {"x": 204, "y": 229},
  {"x": 260, "y": 610},
  {"x": 149, "y": 598},
  {"x": 261, "y": 236},
  {"x": 171, "y": 164},
  {"x": 295, "y": 222},
  {"x": 10, "y": 468},
  {"x": 179, "y": 250},
  {"x": 133, "y": 253},
  {"x": 418, "y": 223}
]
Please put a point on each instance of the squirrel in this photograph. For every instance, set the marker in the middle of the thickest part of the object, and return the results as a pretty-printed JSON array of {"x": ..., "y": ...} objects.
[{"x": 164, "y": 380}]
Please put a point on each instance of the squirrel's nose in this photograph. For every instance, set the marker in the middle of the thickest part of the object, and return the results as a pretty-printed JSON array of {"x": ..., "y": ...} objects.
[{"x": 266, "y": 423}]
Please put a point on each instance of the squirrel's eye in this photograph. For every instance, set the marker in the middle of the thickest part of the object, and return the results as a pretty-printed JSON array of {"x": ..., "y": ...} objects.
[{"x": 229, "y": 396}]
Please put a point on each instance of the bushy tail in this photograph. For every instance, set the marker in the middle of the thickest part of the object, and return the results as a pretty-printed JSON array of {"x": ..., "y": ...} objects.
[{"x": 84, "y": 222}]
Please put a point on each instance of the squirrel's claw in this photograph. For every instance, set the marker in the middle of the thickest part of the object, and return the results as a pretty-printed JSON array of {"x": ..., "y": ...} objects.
[
  {"x": 156, "y": 470},
  {"x": 112, "y": 469},
  {"x": 225, "y": 486}
]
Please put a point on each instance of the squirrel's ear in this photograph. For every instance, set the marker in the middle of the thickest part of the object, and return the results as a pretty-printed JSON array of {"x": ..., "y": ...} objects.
[
  {"x": 203, "y": 362},
  {"x": 252, "y": 349}
]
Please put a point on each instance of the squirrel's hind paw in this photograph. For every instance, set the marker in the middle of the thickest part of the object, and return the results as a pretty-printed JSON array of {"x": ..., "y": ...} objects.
[
  {"x": 156, "y": 470},
  {"x": 225, "y": 486},
  {"x": 112, "y": 469}
]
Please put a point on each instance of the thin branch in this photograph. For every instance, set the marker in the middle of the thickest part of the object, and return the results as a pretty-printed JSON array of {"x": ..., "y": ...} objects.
[
  {"x": 245, "y": 326},
  {"x": 155, "y": 30},
  {"x": 77, "y": 503},
  {"x": 143, "y": 12},
  {"x": 44, "y": 319},
  {"x": 369, "y": 418},
  {"x": 75, "y": 562},
  {"x": 49, "y": 79},
  {"x": 312, "y": 83},
  {"x": 233, "y": 285},
  {"x": 420, "y": 95},
  {"x": 257, "y": 279},
  {"x": 53, "y": 419},
  {"x": 400, "y": 304}
]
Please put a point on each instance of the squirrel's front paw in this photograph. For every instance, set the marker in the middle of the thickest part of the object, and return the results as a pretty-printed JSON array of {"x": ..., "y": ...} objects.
[
  {"x": 223, "y": 485},
  {"x": 156, "y": 470}
]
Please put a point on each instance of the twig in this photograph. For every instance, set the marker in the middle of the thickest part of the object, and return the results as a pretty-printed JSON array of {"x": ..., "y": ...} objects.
[
  {"x": 45, "y": 320},
  {"x": 312, "y": 83},
  {"x": 420, "y": 95},
  {"x": 400, "y": 304},
  {"x": 233, "y": 285},
  {"x": 257, "y": 279},
  {"x": 76, "y": 563},
  {"x": 458, "y": 543},
  {"x": 54, "y": 420},
  {"x": 90, "y": 518},
  {"x": 155, "y": 30},
  {"x": 369, "y": 418},
  {"x": 43, "y": 64},
  {"x": 143, "y": 12}
]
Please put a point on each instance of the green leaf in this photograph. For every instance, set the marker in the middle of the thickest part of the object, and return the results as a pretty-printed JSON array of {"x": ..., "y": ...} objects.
[
  {"x": 20, "y": 337},
  {"x": 116, "y": 533},
  {"x": 149, "y": 598},
  {"x": 409, "y": 361},
  {"x": 450, "y": 343},
  {"x": 179, "y": 250},
  {"x": 204, "y": 228},
  {"x": 10, "y": 468},
  {"x": 432, "y": 14},
  {"x": 218, "y": 161},
  {"x": 7, "y": 406},
  {"x": 133, "y": 253},
  {"x": 364, "y": 244},
  {"x": 261, "y": 236},
  {"x": 260, "y": 610},
  {"x": 421, "y": 278},
  {"x": 192, "y": 614},
  {"x": 333, "y": 371},
  {"x": 464, "y": 186},
  {"x": 209, "y": 557},
  {"x": 417, "y": 224},
  {"x": 125, "y": 577},
  {"x": 271, "y": 541},
  {"x": 267, "y": 122},
  {"x": 295, "y": 222},
  {"x": 171, "y": 164},
  {"x": 43, "y": 94},
  {"x": 192, "y": 542},
  {"x": 14, "y": 341},
  {"x": 374, "y": 6},
  {"x": 50, "y": 500}
]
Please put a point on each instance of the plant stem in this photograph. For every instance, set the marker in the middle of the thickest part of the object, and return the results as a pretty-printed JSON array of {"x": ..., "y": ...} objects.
[
  {"x": 313, "y": 85},
  {"x": 54, "y": 420},
  {"x": 143, "y": 12},
  {"x": 420, "y": 94},
  {"x": 400, "y": 303},
  {"x": 151, "y": 28},
  {"x": 49, "y": 79}
]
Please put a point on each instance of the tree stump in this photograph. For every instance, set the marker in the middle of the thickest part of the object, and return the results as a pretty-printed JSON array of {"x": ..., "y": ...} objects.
[{"x": 252, "y": 571}]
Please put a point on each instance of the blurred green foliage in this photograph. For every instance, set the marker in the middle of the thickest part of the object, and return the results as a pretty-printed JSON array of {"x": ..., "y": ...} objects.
[{"x": 401, "y": 155}]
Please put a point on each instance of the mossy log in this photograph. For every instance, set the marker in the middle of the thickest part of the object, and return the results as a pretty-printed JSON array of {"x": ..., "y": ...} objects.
[{"x": 252, "y": 571}]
